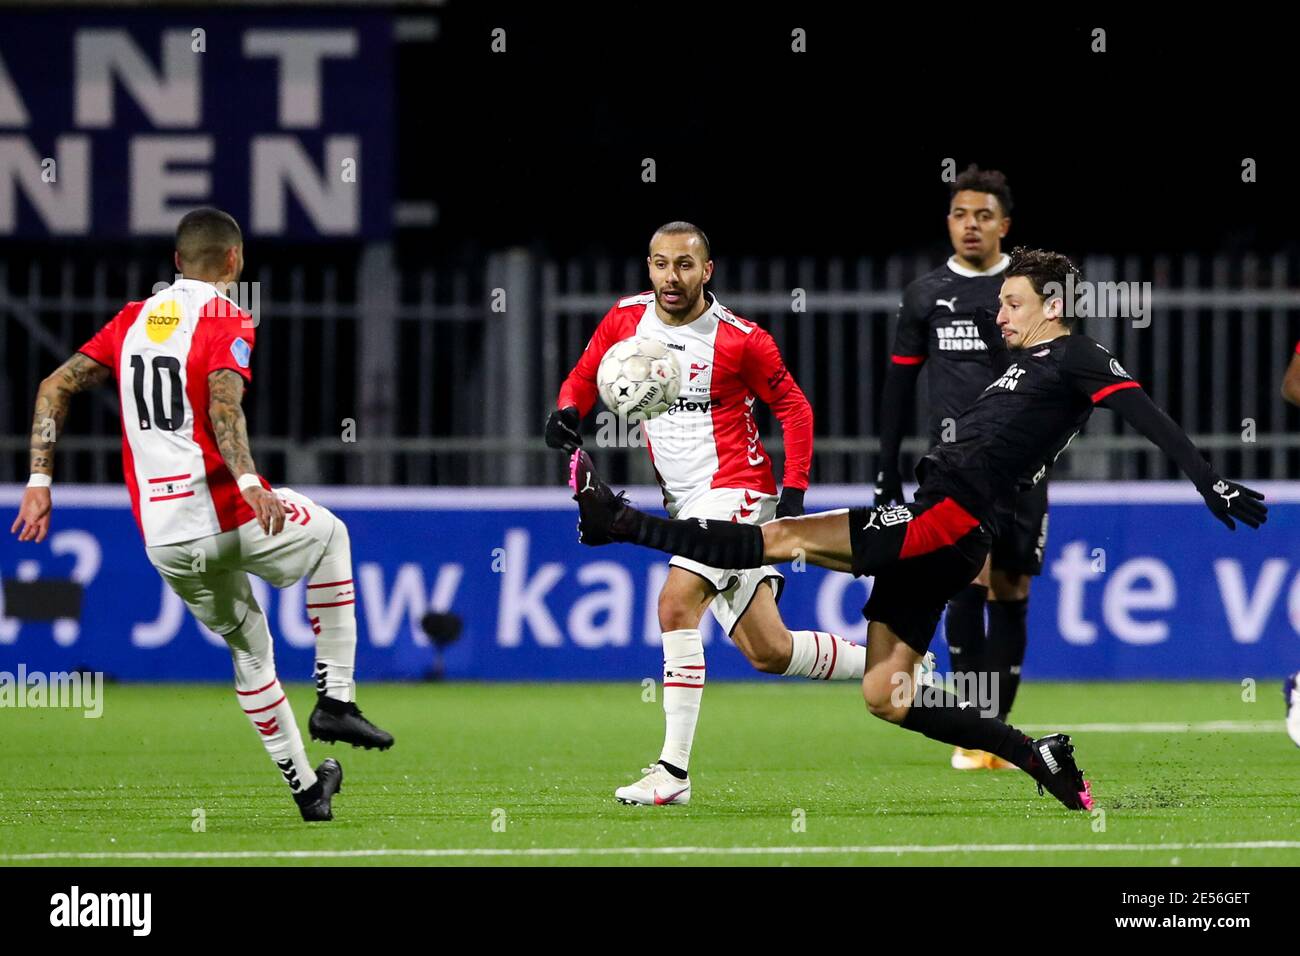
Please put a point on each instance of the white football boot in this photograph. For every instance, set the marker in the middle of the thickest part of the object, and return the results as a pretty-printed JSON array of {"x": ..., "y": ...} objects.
[
  {"x": 658, "y": 788},
  {"x": 1292, "y": 692}
]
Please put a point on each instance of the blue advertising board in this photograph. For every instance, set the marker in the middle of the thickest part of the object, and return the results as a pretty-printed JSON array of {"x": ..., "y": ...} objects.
[
  {"x": 1140, "y": 581},
  {"x": 114, "y": 123}
]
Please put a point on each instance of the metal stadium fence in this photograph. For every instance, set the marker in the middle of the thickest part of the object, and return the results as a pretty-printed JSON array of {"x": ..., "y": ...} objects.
[{"x": 372, "y": 369}]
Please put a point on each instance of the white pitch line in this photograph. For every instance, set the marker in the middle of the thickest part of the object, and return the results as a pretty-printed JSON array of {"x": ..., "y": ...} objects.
[
  {"x": 879, "y": 850},
  {"x": 1170, "y": 727}
]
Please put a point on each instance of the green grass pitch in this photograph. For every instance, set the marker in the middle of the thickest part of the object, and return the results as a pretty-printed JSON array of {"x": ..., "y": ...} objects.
[{"x": 784, "y": 773}]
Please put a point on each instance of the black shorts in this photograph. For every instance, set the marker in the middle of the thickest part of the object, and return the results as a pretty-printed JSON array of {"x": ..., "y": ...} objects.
[
  {"x": 921, "y": 554},
  {"x": 1022, "y": 536}
]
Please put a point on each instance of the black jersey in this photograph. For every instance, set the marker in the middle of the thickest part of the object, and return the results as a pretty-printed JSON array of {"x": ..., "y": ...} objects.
[
  {"x": 936, "y": 323},
  {"x": 1008, "y": 437}
]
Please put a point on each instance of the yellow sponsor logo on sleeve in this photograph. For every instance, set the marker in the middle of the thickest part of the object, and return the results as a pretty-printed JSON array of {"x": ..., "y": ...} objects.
[{"x": 163, "y": 320}]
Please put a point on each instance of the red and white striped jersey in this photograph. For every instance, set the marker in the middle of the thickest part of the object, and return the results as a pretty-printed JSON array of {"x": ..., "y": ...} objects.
[
  {"x": 162, "y": 351},
  {"x": 709, "y": 438}
]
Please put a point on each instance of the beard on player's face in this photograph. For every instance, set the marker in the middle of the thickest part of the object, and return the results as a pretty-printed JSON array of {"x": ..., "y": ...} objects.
[{"x": 686, "y": 297}]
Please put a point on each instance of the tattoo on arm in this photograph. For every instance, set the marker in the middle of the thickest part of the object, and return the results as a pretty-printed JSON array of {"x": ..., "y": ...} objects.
[
  {"x": 226, "y": 392},
  {"x": 75, "y": 375}
]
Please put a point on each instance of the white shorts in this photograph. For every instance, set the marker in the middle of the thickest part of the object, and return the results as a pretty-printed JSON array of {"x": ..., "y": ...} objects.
[
  {"x": 736, "y": 588},
  {"x": 211, "y": 574}
]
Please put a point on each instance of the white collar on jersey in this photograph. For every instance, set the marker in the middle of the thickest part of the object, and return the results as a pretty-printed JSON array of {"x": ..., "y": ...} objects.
[
  {"x": 183, "y": 283},
  {"x": 972, "y": 274},
  {"x": 703, "y": 324}
]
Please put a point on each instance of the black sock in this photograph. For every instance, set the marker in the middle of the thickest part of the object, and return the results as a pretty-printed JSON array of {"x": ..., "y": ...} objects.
[
  {"x": 677, "y": 772},
  {"x": 309, "y": 796},
  {"x": 332, "y": 706},
  {"x": 964, "y": 627},
  {"x": 717, "y": 543},
  {"x": 1004, "y": 650},
  {"x": 939, "y": 715}
]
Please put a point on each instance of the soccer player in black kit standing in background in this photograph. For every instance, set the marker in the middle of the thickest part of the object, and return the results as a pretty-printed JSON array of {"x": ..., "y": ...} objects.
[
  {"x": 936, "y": 327},
  {"x": 923, "y": 552}
]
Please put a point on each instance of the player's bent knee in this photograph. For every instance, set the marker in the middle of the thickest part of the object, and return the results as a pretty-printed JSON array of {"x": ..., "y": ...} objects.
[
  {"x": 676, "y": 613},
  {"x": 883, "y": 699},
  {"x": 340, "y": 541}
]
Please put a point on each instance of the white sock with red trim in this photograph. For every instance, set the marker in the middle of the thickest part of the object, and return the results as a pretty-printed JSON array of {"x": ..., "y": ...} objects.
[
  {"x": 331, "y": 608},
  {"x": 264, "y": 701},
  {"x": 822, "y": 656},
  {"x": 683, "y": 685}
]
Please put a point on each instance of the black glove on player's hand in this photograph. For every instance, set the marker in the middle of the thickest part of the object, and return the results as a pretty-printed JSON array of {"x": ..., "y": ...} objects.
[
  {"x": 1229, "y": 500},
  {"x": 790, "y": 504},
  {"x": 562, "y": 429},
  {"x": 889, "y": 488}
]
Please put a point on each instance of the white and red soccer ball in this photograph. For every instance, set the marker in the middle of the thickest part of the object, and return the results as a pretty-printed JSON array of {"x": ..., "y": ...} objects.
[{"x": 639, "y": 378}]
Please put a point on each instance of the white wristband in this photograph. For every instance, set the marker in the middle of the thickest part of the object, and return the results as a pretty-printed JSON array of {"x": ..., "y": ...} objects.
[
  {"x": 38, "y": 480},
  {"x": 249, "y": 480}
]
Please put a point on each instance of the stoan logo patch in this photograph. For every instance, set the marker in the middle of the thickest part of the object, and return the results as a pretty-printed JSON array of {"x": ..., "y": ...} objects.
[{"x": 163, "y": 319}]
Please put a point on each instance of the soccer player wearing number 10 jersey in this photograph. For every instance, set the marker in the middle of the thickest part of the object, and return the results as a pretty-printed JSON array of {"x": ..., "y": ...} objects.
[
  {"x": 921, "y": 553},
  {"x": 182, "y": 358}
]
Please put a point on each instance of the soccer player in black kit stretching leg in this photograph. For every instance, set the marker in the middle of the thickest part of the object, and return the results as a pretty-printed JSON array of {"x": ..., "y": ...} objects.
[
  {"x": 923, "y": 552},
  {"x": 938, "y": 329}
]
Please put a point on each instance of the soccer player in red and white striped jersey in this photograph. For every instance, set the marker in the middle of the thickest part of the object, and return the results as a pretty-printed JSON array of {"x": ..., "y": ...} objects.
[
  {"x": 710, "y": 463},
  {"x": 182, "y": 358}
]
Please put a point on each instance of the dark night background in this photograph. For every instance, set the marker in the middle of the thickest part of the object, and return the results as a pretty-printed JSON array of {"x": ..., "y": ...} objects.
[{"x": 838, "y": 150}]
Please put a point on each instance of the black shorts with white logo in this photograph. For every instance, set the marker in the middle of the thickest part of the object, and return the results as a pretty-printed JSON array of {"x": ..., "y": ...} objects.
[
  {"x": 1022, "y": 537},
  {"x": 921, "y": 554}
]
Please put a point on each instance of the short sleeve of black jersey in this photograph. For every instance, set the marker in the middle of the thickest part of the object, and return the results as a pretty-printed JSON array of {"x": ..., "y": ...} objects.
[
  {"x": 912, "y": 339},
  {"x": 1092, "y": 370}
]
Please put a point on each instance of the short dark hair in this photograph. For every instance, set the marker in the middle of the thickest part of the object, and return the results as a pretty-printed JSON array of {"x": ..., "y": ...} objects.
[
  {"x": 679, "y": 226},
  {"x": 1043, "y": 268},
  {"x": 204, "y": 235},
  {"x": 984, "y": 181}
]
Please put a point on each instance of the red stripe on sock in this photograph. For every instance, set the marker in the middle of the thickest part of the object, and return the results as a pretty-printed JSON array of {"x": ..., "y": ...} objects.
[
  {"x": 690, "y": 667},
  {"x": 335, "y": 603},
  {"x": 332, "y": 584},
  {"x": 696, "y": 686},
  {"x": 834, "y": 654},
  {"x": 250, "y": 693},
  {"x": 267, "y": 707},
  {"x": 818, "y": 659}
]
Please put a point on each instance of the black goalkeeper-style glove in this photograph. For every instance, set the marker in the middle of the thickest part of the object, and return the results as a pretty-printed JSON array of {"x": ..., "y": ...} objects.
[
  {"x": 889, "y": 487},
  {"x": 790, "y": 504},
  {"x": 562, "y": 429},
  {"x": 1229, "y": 500}
]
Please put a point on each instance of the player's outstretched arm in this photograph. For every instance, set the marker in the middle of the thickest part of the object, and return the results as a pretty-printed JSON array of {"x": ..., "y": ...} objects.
[
  {"x": 226, "y": 410},
  {"x": 1229, "y": 501},
  {"x": 77, "y": 374}
]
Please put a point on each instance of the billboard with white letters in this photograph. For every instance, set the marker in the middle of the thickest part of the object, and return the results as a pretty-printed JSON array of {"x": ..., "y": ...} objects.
[
  {"x": 1140, "y": 581},
  {"x": 114, "y": 124}
]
